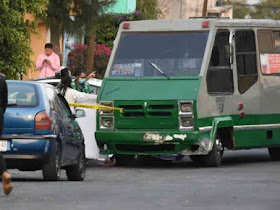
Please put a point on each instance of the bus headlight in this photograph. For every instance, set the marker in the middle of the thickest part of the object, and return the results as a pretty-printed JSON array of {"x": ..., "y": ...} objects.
[
  {"x": 106, "y": 122},
  {"x": 186, "y": 122},
  {"x": 186, "y": 106},
  {"x": 106, "y": 117},
  {"x": 107, "y": 103},
  {"x": 185, "y": 115}
]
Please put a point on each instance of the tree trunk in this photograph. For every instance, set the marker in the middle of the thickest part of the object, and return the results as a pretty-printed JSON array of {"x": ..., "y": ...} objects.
[
  {"x": 204, "y": 10},
  {"x": 90, "y": 49},
  {"x": 55, "y": 40}
]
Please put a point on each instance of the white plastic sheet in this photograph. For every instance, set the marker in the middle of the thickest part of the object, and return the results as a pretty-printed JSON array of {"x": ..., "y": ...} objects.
[{"x": 88, "y": 126}]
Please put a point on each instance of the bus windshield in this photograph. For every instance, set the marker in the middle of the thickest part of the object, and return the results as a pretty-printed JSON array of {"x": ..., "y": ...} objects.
[{"x": 159, "y": 54}]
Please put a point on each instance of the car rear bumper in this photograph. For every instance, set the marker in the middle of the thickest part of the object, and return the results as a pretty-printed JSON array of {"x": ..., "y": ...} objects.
[
  {"x": 28, "y": 147},
  {"x": 28, "y": 153},
  {"x": 24, "y": 157},
  {"x": 39, "y": 137}
]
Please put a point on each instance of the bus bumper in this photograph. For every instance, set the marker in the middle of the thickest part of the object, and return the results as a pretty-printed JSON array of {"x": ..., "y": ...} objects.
[{"x": 154, "y": 143}]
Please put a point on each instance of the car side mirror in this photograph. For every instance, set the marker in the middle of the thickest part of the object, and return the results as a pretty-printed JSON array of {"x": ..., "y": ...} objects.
[{"x": 80, "y": 113}]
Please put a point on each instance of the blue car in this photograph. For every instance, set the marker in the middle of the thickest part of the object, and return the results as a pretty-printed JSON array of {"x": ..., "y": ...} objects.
[{"x": 41, "y": 133}]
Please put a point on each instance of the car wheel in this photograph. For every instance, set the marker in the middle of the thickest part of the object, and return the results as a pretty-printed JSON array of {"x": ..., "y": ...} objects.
[
  {"x": 77, "y": 172},
  {"x": 52, "y": 169},
  {"x": 125, "y": 160},
  {"x": 274, "y": 153}
]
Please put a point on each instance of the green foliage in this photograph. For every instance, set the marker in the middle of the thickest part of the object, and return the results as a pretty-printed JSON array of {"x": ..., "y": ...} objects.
[
  {"x": 239, "y": 11},
  {"x": 149, "y": 8},
  {"x": 87, "y": 12},
  {"x": 15, "y": 33},
  {"x": 268, "y": 9},
  {"x": 58, "y": 14},
  {"x": 108, "y": 25}
]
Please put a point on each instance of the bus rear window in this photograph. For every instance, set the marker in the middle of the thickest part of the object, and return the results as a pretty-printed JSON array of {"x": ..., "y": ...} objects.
[{"x": 175, "y": 54}]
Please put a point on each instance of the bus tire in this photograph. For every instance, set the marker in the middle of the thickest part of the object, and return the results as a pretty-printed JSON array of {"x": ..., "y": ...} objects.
[
  {"x": 197, "y": 159},
  {"x": 125, "y": 160},
  {"x": 274, "y": 153},
  {"x": 214, "y": 157}
]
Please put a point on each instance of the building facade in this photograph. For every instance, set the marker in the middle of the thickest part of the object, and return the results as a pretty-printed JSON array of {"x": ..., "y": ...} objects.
[
  {"x": 184, "y": 9},
  {"x": 37, "y": 43}
]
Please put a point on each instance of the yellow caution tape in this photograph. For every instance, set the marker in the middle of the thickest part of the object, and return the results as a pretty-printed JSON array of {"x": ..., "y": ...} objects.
[{"x": 97, "y": 106}]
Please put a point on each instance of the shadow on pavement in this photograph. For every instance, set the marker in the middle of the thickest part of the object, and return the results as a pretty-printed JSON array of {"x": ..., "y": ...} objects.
[{"x": 231, "y": 158}]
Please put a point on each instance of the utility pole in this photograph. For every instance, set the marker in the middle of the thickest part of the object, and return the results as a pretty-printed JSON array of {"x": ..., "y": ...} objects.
[{"x": 204, "y": 10}]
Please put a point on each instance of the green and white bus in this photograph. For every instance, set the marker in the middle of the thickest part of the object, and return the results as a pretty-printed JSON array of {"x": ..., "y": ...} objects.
[{"x": 192, "y": 87}]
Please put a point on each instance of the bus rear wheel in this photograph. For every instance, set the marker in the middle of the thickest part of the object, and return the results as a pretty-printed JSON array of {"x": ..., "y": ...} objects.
[{"x": 274, "y": 153}]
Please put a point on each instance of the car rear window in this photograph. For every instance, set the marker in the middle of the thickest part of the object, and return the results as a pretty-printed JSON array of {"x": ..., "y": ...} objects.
[{"x": 22, "y": 95}]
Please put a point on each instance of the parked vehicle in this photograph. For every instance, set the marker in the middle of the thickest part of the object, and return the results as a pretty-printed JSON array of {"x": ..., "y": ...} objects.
[
  {"x": 192, "y": 87},
  {"x": 87, "y": 124},
  {"x": 95, "y": 84},
  {"x": 41, "y": 133}
]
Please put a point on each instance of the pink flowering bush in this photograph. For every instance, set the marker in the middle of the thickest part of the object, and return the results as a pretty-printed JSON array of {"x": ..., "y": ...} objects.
[
  {"x": 101, "y": 57},
  {"x": 102, "y": 50},
  {"x": 77, "y": 58}
]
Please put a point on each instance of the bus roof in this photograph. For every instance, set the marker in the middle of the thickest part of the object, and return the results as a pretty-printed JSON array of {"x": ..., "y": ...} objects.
[{"x": 194, "y": 24}]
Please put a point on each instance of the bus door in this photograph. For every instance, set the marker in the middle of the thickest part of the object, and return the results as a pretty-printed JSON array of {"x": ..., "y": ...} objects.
[
  {"x": 220, "y": 82},
  {"x": 248, "y": 89}
]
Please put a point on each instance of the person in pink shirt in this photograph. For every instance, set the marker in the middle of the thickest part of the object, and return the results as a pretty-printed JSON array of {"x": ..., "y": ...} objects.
[{"x": 48, "y": 62}]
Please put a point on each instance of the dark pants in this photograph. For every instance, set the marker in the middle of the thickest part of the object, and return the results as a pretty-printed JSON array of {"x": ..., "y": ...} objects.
[
  {"x": 2, "y": 165},
  {"x": 2, "y": 160}
]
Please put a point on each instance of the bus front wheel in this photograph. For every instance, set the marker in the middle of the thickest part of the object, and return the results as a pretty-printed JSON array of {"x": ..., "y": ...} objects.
[
  {"x": 125, "y": 160},
  {"x": 213, "y": 158}
]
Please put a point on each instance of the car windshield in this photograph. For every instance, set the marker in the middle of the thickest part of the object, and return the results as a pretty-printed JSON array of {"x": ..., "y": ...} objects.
[
  {"x": 21, "y": 95},
  {"x": 156, "y": 54}
]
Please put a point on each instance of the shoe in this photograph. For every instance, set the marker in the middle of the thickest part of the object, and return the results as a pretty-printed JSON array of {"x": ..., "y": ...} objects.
[{"x": 7, "y": 185}]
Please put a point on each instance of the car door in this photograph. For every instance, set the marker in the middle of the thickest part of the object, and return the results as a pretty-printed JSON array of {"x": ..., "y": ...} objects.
[
  {"x": 59, "y": 122},
  {"x": 74, "y": 140}
]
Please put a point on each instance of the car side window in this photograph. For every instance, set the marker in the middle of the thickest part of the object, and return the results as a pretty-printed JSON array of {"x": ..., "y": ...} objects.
[
  {"x": 64, "y": 106},
  {"x": 53, "y": 100},
  {"x": 94, "y": 90}
]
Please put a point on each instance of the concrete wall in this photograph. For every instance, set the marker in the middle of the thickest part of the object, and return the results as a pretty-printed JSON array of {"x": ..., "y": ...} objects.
[{"x": 37, "y": 43}]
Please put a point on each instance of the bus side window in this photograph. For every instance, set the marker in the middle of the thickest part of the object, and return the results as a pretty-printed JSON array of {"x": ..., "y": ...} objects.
[
  {"x": 245, "y": 59},
  {"x": 219, "y": 76}
]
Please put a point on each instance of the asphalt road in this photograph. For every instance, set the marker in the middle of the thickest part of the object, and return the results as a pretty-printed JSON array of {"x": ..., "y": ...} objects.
[{"x": 246, "y": 180}]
